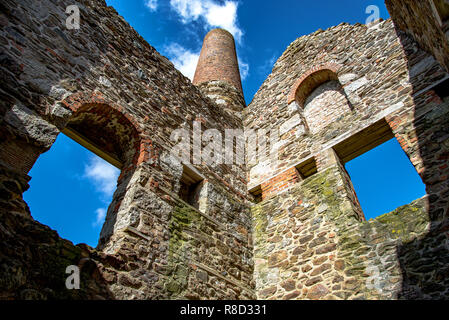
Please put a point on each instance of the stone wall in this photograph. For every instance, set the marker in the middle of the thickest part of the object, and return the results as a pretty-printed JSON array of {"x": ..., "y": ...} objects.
[
  {"x": 311, "y": 240},
  {"x": 373, "y": 70},
  {"x": 308, "y": 245},
  {"x": 306, "y": 239},
  {"x": 224, "y": 95},
  {"x": 104, "y": 83},
  {"x": 423, "y": 22}
]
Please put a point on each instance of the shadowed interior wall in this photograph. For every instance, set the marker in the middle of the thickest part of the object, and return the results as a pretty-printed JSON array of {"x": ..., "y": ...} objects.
[{"x": 419, "y": 19}]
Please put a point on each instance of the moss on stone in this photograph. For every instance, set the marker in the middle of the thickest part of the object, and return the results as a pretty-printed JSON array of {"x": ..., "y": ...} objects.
[
  {"x": 182, "y": 218},
  {"x": 405, "y": 222},
  {"x": 260, "y": 222}
]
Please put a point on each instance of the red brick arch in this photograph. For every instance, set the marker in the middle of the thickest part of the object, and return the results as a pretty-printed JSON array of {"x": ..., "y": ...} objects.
[
  {"x": 144, "y": 146},
  {"x": 311, "y": 79}
]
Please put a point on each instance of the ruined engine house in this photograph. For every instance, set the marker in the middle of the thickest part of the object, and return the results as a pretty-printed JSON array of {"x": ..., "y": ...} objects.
[{"x": 286, "y": 229}]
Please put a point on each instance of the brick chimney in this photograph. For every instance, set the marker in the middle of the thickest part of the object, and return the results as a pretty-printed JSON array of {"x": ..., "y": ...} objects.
[
  {"x": 218, "y": 59},
  {"x": 217, "y": 74}
]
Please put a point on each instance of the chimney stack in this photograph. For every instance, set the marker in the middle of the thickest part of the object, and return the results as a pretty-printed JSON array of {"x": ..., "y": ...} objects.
[{"x": 217, "y": 74}]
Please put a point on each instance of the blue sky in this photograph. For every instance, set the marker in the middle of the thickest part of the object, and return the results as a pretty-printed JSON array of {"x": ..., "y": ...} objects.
[
  {"x": 71, "y": 188},
  {"x": 70, "y": 191},
  {"x": 263, "y": 28},
  {"x": 384, "y": 179}
]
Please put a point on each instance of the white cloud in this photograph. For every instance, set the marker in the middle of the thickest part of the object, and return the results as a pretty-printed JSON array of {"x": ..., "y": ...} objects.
[
  {"x": 151, "y": 4},
  {"x": 268, "y": 65},
  {"x": 184, "y": 59},
  {"x": 212, "y": 13},
  {"x": 244, "y": 69},
  {"x": 104, "y": 178},
  {"x": 100, "y": 216},
  {"x": 103, "y": 175}
]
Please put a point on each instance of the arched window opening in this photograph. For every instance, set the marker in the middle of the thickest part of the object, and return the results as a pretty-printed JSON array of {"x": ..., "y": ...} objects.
[
  {"x": 311, "y": 82},
  {"x": 325, "y": 105},
  {"x": 104, "y": 131},
  {"x": 73, "y": 188},
  {"x": 320, "y": 97},
  {"x": 70, "y": 191}
]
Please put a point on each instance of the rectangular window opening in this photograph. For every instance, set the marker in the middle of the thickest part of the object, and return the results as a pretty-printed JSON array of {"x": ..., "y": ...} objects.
[
  {"x": 307, "y": 168},
  {"x": 192, "y": 183},
  {"x": 256, "y": 192},
  {"x": 384, "y": 179},
  {"x": 442, "y": 89},
  {"x": 380, "y": 173}
]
